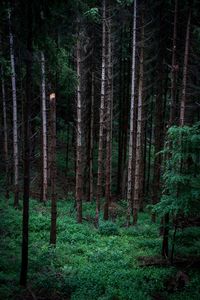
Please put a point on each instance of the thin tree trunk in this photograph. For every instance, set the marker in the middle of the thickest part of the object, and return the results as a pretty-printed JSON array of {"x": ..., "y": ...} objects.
[
  {"x": 130, "y": 157},
  {"x": 5, "y": 130},
  {"x": 79, "y": 187},
  {"x": 15, "y": 127},
  {"x": 149, "y": 149},
  {"x": 67, "y": 151},
  {"x": 139, "y": 150},
  {"x": 53, "y": 168},
  {"x": 108, "y": 127},
  {"x": 44, "y": 131},
  {"x": 174, "y": 69},
  {"x": 28, "y": 101},
  {"x": 159, "y": 116},
  {"x": 91, "y": 140},
  {"x": 101, "y": 117},
  {"x": 165, "y": 244},
  {"x": 165, "y": 241},
  {"x": 185, "y": 71},
  {"x": 120, "y": 122}
]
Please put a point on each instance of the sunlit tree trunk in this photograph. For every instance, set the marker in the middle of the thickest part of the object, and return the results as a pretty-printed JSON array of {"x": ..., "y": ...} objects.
[
  {"x": 15, "y": 126},
  {"x": 130, "y": 151},
  {"x": 185, "y": 71},
  {"x": 79, "y": 187},
  {"x": 108, "y": 126},
  {"x": 53, "y": 167},
  {"x": 44, "y": 131},
  {"x": 139, "y": 150},
  {"x": 101, "y": 117}
]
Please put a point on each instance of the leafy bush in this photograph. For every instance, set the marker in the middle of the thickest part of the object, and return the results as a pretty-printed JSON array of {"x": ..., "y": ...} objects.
[{"x": 108, "y": 228}]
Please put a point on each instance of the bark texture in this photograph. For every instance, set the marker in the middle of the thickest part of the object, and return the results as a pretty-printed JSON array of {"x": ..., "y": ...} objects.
[
  {"x": 44, "y": 131},
  {"x": 101, "y": 117},
  {"x": 130, "y": 150},
  {"x": 15, "y": 125}
]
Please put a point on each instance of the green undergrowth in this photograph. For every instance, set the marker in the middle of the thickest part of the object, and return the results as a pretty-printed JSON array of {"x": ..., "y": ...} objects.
[{"x": 87, "y": 263}]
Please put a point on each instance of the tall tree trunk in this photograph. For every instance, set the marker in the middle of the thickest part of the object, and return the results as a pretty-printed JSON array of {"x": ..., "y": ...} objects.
[
  {"x": 130, "y": 157},
  {"x": 139, "y": 145},
  {"x": 108, "y": 126},
  {"x": 15, "y": 127},
  {"x": 79, "y": 187},
  {"x": 185, "y": 71},
  {"x": 53, "y": 168},
  {"x": 120, "y": 122},
  {"x": 28, "y": 101},
  {"x": 159, "y": 115},
  {"x": 91, "y": 140},
  {"x": 149, "y": 149},
  {"x": 5, "y": 130},
  {"x": 101, "y": 117},
  {"x": 174, "y": 70},
  {"x": 165, "y": 242},
  {"x": 44, "y": 131}
]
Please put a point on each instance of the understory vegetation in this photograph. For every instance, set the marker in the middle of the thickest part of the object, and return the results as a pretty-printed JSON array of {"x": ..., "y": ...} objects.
[{"x": 90, "y": 263}]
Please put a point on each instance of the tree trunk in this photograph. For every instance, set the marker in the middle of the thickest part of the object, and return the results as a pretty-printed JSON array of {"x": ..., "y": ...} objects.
[
  {"x": 108, "y": 126},
  {"x": 130, "y": 154},
  {"x": 5, "y": 130},
  {"x": 159, "y": 116},
  {"x": 185, "y": 71},
  {"x": 53, "y": 168},
  {"x": 120, "y": 122},
  {"x": 149, "y": 149},
  {"x": 91, "y": 140},
  {"x": 165, "y": 243},
  {"x": 139, "y": 145},
  {"x": 15, "y": 126},
  {"x": 79, "y": 187},
  {"x": 44, "y": 131},
  {"x": 101, "y": 117},
  {"x": 28, "y": 101},
  {"x": 174, "y": 70}
]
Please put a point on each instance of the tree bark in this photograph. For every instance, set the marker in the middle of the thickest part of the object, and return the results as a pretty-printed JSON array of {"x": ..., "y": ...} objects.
[
  {"x": 101, "y": 117},
  {"x": 53, "y": 168},
  {"x": 91, "y": 140},
  {"x": 159, "y": 116},
  {"x": 174, "y": 70},
  {"x": 44, "y": 131},
  {"x": 185, "y": 71},
  {"x": 5, "y": 130},
  {"x": 108, "y": 126},
  {"x": 15, "y": 126},
  {"x": 130, "y": 154},
  {"x": 120, "y": 122},
  {"x": 26, "y": 192},
  {"x": 79, "y": 187},
  {"x": 139, "y": 145}
]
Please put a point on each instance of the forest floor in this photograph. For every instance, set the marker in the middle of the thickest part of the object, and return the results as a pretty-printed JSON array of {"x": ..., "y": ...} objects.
[{"x": 90, "y": 263}]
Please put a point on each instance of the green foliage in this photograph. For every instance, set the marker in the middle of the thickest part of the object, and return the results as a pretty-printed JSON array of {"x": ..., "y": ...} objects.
[
  {"x": 87, "y": 263},
  {"x": 125, "y": 2},
  {"x": 181, "y": 177},
  {"x": 93, "y": 14},
  {"x": 108, "y": 228}
]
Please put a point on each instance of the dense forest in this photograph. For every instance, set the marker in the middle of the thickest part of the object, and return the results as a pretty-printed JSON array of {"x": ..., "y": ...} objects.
[{"x": 100, "y": 149}]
